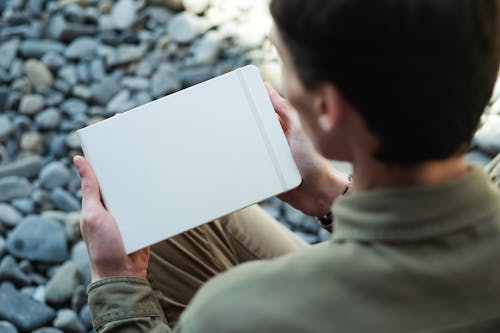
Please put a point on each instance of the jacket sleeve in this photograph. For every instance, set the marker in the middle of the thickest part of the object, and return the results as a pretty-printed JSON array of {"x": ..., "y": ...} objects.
[{"x": 125, "y": 304}]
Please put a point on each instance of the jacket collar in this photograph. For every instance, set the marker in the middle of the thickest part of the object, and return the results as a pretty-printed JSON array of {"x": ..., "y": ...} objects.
[{"x": 413, "y": 213}]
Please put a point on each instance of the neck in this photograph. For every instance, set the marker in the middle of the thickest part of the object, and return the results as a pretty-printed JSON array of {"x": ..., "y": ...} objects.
[{"x": 371, "y": 174}]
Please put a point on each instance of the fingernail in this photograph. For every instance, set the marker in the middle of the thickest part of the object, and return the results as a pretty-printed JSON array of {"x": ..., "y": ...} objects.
[{"x": 77, "y": 163}]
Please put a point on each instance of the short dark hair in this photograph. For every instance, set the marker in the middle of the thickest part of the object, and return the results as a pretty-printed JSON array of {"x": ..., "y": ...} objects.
[{"x": 420, "y": 72}]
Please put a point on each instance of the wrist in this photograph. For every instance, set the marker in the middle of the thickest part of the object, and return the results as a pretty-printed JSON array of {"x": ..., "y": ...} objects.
[{"x": 332, "y": 185}]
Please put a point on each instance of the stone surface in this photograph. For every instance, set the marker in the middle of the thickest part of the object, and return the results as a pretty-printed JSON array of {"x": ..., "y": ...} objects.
[
  {"x": 6, "y": 127},
  {"x": 81, "y": 48},
  {"x": 86, "y": 317},
  {"x": 14, "y": 187},
  {"x": 164, "y": 81},
  {"x": 8, "y": 50},
  {"x": 104, "y": 90},
  {"x": 60, "y": 287},
  {"x": 32, "y": 142},
  {"x": 184, "y": 27},
  {"x": 64, "y": 200},
  {"x": 80, "y": 257},
  {"x": 123, "y": 14},
  {"x": 27, "y": 166},
  {"x": 54, "y": 174},
  {"x": 38, "y": 239},
  {"x": 10, "y": 271},
  {"x": 68, "y": 321},
  {"x": 25, "y": 313},
  {"x": 38, "y": 74},
  {"x": 48, "y": 119},
  {"x": 38, "y": 47},
  {"x": 31, "y": 104},
  {"x": 6, "y": 327},
  {"x": 9, "y": 216}
]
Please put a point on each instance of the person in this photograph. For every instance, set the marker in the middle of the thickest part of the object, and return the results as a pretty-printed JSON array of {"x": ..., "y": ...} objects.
[{"x": 396, "y": 87}]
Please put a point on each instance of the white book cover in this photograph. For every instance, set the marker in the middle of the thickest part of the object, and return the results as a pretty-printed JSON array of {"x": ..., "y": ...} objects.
[{"x": 190, "y": 157}]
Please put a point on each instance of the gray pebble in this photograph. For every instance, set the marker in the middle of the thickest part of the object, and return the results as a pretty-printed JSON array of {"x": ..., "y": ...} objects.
[
  {"x": 54, "y": 174},
  {"x": 164, "y": 81},
  {"x": 25, "y": 205},
  {"x": 39, "y": 294},
  {"x": 32, "y": 142},
  {"x": 31, "y": 104},
  {"x": 184, "y": 27},
  {"x": 8, "y": 50},
  {"x": 37, "y": 48},
  {"x": 38, "y": 239},
  {"x": 72, "y": 140},
  {"x": 68, "y": 74},
  {"x": 120, "y": 102},
  {"x": 53, "y": 60},
  {"x": 85, "y": 316},
  {"x": 6, "y": 327},
  {"x": 48, "y": 119},
  {"x": 193, "y": 75},
  {"x": 60, "y": 28},
  {"x": 196, "y": 6},
  {"x": 9, "y": 216},
  {"x": 24, "y": 312},
  {"x": 81, "y": 48},
  {"x": 9, "y": 271},
  {"x": 123, "y": 14},
  {"x": 38, "y": 74},
  {"x": 78, "y": 298},
  {"x": 47, "y": 330},
  {"x": 6, "y": 127},
  {"x": 81, "y": 91},
  {"x": 60, "y": 287},
  {"x": 72, "y": 226},
  {"x": 124, "y": 55},
  {"x": 62, "y": 86},
  {"x": 205, "y": 50},
  {"x": 80, "y": 257},
  {"x": 135, "y": 83},
  {"x": 73, "y": 106},
  {"x": 2, "y": 246},
  {"x": 104, "y": 90},
  {"x": 27, "y": 166},
  {"x": 68, "y": 321},
  {"x": 64, "y": 200},
  {"x": 14, "y": 187}
]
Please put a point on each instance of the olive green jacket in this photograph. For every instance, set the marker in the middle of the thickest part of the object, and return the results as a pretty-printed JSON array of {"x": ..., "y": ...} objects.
[{"x": 400, "y": 260}]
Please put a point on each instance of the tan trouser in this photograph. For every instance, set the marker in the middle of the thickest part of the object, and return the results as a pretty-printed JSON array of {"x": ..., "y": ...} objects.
[{"x": 179, "y": 266}]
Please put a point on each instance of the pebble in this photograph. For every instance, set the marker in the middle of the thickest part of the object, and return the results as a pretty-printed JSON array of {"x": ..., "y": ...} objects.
[
  {"x": 124, "y": 55},
  {"x": 2, "y": 246},
  {"x": 39, "y": 294},
  {"x": 53, "y": 60},
  {"x": 64, "y": 200},
  {"x": 184, "y": 27},
  {"x": 38, "y": 239},
  {"x": 81, "y": 48},
  {"x": 37, "y": 48},
  {"x": 205, "y": 50},
  {"x": 196, "y": 6},
  {"x": 32, "y": 142},
  {"x": 120, "y": 102},
  {"x": 9, "y": 271},
  {"x": 104, "y": 90},
  {"x": 8, "y": 50},
  {"x": 6, "y": 327},
  {"x": 9, "y": 216},
  {"x": 193, "y": 75},
  {"x": 68, "y": 74},
  {"x": 123, "y": 14},
  {"x": 67, "y": 320},
  {"x": 73, "y": 106},
  {"x": 488, "y": 136},
  {"x": 38, "y": 74},
  {"x": 24, "y": 312},
  {"x": 12, "y": 187},
  {"x": 48, "y": 119},
  {"x": 79, "y": 298},
  {"x": 54, "y": 174},
  {"x": 25, "y": 205},
  {"x": 61, "y": 286},
  {"x": 47, "y": 330},
  {"x": 164, "y": 81},
  {"x": 59, "y": 28},
  {"x": 85, "y": 316},
  {"x": 6, "y": 127},
  {"x": 31, "y": 104},
  {"x": 72, "y": 140},
  {"x": 80, "y": 257},
  {"x": 135, "y": 83}
]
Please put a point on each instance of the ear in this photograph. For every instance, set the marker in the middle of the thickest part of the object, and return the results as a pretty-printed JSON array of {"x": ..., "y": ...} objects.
[{"x": 328, "y": 106}]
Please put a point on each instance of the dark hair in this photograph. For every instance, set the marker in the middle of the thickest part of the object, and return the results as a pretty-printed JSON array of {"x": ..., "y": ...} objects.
[{"x": 420, "y": 72}]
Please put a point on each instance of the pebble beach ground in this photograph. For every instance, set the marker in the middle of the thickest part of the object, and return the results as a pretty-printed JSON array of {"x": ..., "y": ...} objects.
[{"x": 67, "y": 64}]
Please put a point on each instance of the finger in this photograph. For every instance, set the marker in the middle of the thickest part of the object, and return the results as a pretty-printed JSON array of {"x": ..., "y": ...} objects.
[
  {"x": 91, "y": 197},
  {"x": 280, "y": 104}
]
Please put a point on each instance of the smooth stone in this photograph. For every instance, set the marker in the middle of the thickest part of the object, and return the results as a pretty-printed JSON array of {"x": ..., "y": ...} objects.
[
  {"x": 85, "y": 316},
  {"x": 205, "y": 50},
  {"x": 73, "y": 106},
  {"x": 68, "y": 321},
  {"x": 123, "y": 14},
  {"x": 38, "y": 239},
  {"x": 60, "y": 28},
  {"x": 68, "y": 74},
  {"x": 135, "y": 83},
  {"x": 39, "y": 196},
  {"x": 54, "y": 174},
  {"x": 2, "y": 246},
  {"x": 37, "y": 48},
  {"x": 478, "y": 157},
  {"x": 488, "y": 136},
  {"x": 196, "y": 6},
  {"x": 184, "y": 27},
  {"x": 6, "y": 327},
  {"x": 64, "y": 200},
  {"x": 74, "y": 13},
  {"x": 159, "y": 14},
  {"x": 10, "y": 271},
  {"x": 24, "y": 312},
  {"x": 48, "y": 330},
  {"x": 190, "y": 76},
  {"x": 6, "y": 127},
  {"x": 81, "y": 48},
  {"x": 164, "y": 81},
  {"x": 38, "y": 74},
  {"x": 81, "y": 91},
  {"x": 141, "y": 98},
  {"x": 25, "y": 205},
  {"x": 32, "y": 142},
  {"x": 125, "y": 54},
  {"x": 119, "y": 103},
  {"x": 8, "y": 50},
  {"x": 53, "y": 60},
  {"x": 60, "y": 287},
  {"x": 39, "y": 294},
  {"x": 48, "y": 119},
  {"x": 104, "y": 90},
  {"x": 78, "y": 298},
  {"x": 31, "y": 104},
  {"x": 12, "y": 187},
  {"x": 62, "y": 86},
  {"x": 97, "y": 69},
  {"x": 4, "y": 96},
  {"x": 80, "y": 257},
  {"x": 73, "y": 141},
  {"x": 9, "y": 216},
  {"x": 27, "y": 166},
  {"x": 72, "y": 227}
]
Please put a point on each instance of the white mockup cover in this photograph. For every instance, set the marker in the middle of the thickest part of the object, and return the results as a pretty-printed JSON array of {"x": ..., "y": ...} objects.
[{"x": 190, "y": 157}]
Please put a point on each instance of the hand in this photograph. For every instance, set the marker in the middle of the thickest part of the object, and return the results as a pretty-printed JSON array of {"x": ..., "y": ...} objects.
[
  {"x": 101, "y": 234},
  {"x": 321, "y": 183}
]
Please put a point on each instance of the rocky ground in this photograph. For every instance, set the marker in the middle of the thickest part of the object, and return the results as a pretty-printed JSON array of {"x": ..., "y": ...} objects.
[{"x": 67, "y": 64}]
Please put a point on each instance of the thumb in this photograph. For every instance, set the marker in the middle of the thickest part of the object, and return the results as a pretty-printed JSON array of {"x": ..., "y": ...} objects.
[
  {"x": 280, "y": 104},
  {"x": 91, "y": 196}
]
